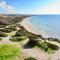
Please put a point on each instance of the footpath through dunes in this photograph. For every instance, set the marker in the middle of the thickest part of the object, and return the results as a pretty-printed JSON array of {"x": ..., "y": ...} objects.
[
  {"x": 56, "y": 55},
  {"x": 35, "y": 53}
]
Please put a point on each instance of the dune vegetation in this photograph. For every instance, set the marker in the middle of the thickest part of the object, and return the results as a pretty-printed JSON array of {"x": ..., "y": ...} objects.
[
  {"x": 34, "y": 40},
  {"x": 2, "y": 34},
  {"x": 30, "y": 58},
  {"x": 0, "y": 39}
]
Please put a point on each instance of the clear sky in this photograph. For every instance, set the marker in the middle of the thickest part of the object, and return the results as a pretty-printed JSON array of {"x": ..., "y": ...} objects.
[{"x": 30, "y": 6}]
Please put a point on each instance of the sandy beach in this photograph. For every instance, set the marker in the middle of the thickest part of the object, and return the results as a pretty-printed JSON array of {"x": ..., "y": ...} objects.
[
  {"x": 34, "y": 29},
  {"x": 28, "y": 26}
]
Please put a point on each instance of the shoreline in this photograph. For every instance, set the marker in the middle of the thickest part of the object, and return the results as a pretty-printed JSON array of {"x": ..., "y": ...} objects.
[
  {"x": 28, "y": 26},
  {"x": 31, "y": 28}
]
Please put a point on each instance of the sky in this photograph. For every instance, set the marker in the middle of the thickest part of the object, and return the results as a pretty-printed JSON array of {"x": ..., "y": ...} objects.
[{"x": 29, "y": 6}]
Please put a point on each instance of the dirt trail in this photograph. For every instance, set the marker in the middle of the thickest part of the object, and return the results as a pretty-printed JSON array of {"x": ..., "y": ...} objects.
[
  {"x": 6, "y": 39},
  {"x": 56, "y": 55},
  {"x": 39, "y": 55}
]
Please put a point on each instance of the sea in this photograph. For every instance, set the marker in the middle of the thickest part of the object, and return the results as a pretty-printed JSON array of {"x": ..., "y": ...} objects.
[{"x": 47, "y": 25}]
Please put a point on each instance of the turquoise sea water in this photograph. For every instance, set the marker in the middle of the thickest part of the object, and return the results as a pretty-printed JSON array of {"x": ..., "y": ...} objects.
[{"x": 49, "y": 24}]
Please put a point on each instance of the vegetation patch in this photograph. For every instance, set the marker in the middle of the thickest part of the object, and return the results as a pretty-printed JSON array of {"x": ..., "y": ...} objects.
[
  {"x": 44, "y": 46},
  {"x": 24, "y": 32},
  {"x": 0, "y": 39},
  {"x": 2, "y": 34},
  {"x": 8, "y": 52},
  {"x": 17, "y": 39},
  {"x": 11, "y": 27},
  {"x": 30, "y": 58},
  {"x": 47, "y": 47},
  {"x": 6, "y": 30},
  {"x": 34, "y": 41},
  {"x": 54, "y": 39},
  {"x": 17, "y": 19},
  {"x": 52, "y": 46}
]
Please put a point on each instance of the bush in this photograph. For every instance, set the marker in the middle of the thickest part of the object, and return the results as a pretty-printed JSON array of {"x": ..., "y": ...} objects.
[
  {"x": 50, "y": 39},
  {"x": 57, "y": 40},
  {"x": 35, "y": 42},
  {"x": 52, "y": 46},
  {"x": 0, "y": 39},
  {"x": 6, "y": 30},
  {"x": 8, "y": 52},
  {"x": 42, "y": 45},
  {"x": 30, "y": 58},
  {"x": 17, "y": 39},
  {"x": 54, "y": 39},
  {"x": 32, "y": 41},
  {"x": 12, "y": 28},
  {"x": 47, "y": 47},
  {"x": 3, "y": 34}
]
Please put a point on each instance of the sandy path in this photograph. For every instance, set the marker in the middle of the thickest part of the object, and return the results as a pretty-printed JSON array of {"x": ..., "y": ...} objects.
[
  {"x": 40, "y": 55},
  {"x": 56, "y": 55},
  {"x": 34, "y": 53},
  {"x": 6, "y": 39}
]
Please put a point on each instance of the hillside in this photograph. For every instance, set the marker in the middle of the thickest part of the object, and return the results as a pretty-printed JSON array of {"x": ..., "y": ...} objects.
[{"x": 10, "y": 19}]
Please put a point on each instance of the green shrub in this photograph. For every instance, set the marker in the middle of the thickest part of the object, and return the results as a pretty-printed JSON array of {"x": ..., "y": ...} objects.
[
  {"x": 52, "y": 46},
  {"x": 47, "y": 47},
  {"x": 17, "y": 39},
  {"x": 50, "y": 39},
  {"x": 12, "y": 27},
  {"x": 42, "y": 45},
  {"x": 8, "y": 52},
  {"x": 32, "y": 41},
  {"x": 54, "y": 39},
  {"x": 57, "y": 40},
  {"x": 6, "y": 30},
  {"x": 30, "y": 58},
  {"x": 0, "y": 39},
  {"x": 3, "y": 34}
]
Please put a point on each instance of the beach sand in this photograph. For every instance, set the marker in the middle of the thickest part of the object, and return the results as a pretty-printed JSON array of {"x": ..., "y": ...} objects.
[
  {"x": 34, "y": 29},
  {"x": 28, "y": 26}
]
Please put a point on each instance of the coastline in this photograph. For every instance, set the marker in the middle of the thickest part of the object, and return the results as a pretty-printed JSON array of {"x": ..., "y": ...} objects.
[
  {"x": 31, "y": 28},
  {"x": 54, "y": 56},
  {"x": 28, "y": 26},
  {"x": 34, "y": 29}
]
